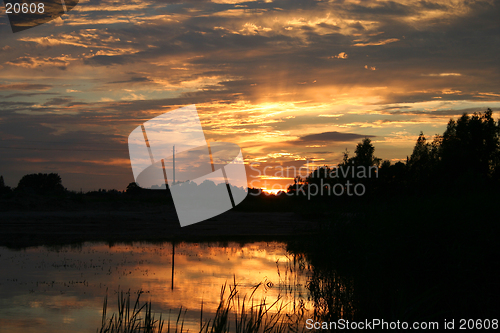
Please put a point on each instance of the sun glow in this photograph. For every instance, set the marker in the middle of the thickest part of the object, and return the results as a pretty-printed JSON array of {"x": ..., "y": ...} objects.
[{"x": 273, "y": 191}]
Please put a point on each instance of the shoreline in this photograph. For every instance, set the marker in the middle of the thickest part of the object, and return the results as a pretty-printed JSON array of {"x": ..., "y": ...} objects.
[{"x": 21, "y": 229}]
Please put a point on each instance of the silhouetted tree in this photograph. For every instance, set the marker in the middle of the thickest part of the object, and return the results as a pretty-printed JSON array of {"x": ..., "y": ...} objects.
[
  {"x": 298, "y": 182},
  {"x": 133, "y": 188},
  {"x": 468, "y": 153},
  {"x": 386, "y": 164},
  {"x": 41, "y": 183},
  {"x": 318, "y": 176},
  {"x": 398, "y": 171},
  {"x": 364, "y": 154},
  {"x": 422, "y": 163},
  {"x": 421, "y": 151},
  {"x": 345, "y": 157},
  {"x": 471, "y": 145},
  {"x": 327, "y": 177}
]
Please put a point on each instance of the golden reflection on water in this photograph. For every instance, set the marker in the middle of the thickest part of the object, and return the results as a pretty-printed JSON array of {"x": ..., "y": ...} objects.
[{"x": 62, "y": 290}]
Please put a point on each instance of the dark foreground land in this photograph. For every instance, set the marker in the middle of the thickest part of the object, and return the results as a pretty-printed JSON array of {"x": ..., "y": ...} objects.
[
  {"x": 20, "y": 229},
  {"x": 115, "y": 218},
  {"x": 420, "y": 257},
  {"x": 421, "y": 245}
]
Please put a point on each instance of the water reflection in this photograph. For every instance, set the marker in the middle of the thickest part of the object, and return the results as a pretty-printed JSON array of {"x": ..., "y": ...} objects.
[
  {"x": 62, "y": 289},
  {"x": 332, "y": 295}
]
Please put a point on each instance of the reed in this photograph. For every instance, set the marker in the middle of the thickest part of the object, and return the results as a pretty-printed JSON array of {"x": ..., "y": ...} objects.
[
  {"x": 136, "y": 319},
  {"x": 245, "y": 314},
  {"x": 235, "y": 313}
]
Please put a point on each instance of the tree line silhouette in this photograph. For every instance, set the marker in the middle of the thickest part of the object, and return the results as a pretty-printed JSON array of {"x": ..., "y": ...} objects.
[
  {"x": 424, "y": 243},
  {"x": 465, "y": 156}
]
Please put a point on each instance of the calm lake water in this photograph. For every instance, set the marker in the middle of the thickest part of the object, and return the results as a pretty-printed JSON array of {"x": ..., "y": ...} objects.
[{"x": 62, "y": 289}]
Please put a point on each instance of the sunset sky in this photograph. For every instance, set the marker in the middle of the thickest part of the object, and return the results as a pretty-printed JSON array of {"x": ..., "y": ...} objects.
[{"x": 288, "y": 81}]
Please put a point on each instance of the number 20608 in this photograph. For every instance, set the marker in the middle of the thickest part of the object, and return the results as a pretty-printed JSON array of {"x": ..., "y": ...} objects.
[
  {"x": 478, "y": 324},
  {"x": 25, "y": 8}
]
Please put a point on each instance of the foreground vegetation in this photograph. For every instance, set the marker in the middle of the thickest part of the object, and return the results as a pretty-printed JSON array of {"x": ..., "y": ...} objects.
[{"x": 235, "y": 313}]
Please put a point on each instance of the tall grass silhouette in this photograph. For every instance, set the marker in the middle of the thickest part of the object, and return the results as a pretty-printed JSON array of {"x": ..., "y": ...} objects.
[
  {"x": 235, "y": 313},
  {"x": 136, "y": 319}
]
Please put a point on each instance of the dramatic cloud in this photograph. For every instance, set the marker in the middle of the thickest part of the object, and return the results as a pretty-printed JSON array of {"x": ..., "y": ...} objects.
[
  {"x": 289, "y": 81},
  {"x": 331, "y": 136},
  {"x": 24, "y": 86}
]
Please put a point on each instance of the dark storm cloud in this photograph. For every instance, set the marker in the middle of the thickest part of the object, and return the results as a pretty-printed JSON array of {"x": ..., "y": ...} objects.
[
  {"x": 30, "y": 128},
  {"x": 134, "y": 79},
  {"x": 439, "y": 113},
  {"x": 381, "y": 9},
  {"x": 27, "y": 94},
  {"x": 58, "y": 101},
  {"x": 105, "y": 60},
  {"x": 24, "y": 86},
  {"x": 33, "y": 143},
  {"x": 330, "y": 137},
  {"x": 388, "y": 108},
  {"x": 14, "y": 105}
]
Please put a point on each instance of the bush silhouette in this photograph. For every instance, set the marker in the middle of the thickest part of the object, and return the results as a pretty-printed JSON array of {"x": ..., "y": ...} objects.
[
  {"x": 41, "y": 183},
  {"x": 3, "y": 188}
]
